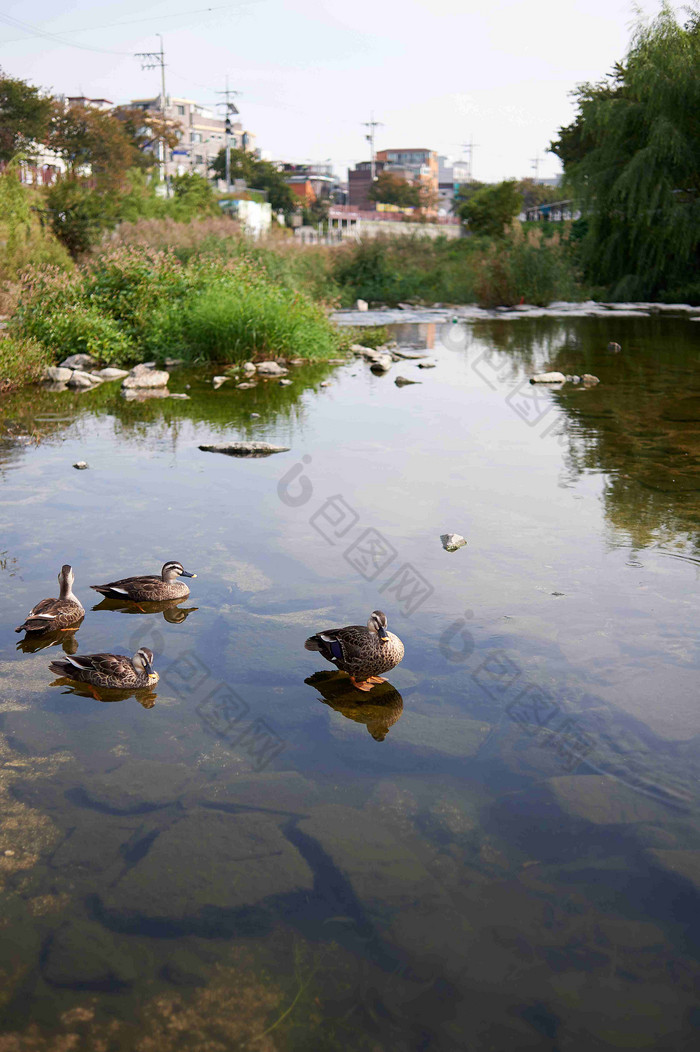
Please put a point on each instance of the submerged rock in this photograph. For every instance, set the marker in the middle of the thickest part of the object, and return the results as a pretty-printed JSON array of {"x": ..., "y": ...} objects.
[
  {"x": 142, "y": 394},
  {"x": 84, "y": 955},
  {"x": 81, "y": 465},
  {"x": 548, "y": 378},
  {"x": 233, "y": 862},
  {"x": 402, "y": 381},
  {"x": 270, "y": 369},
  {"x": 451, "y": 542},
  {"x": 245, "y": 386},
  {"x": 78, "y": 361},
  {"x": 245, "y": 449}
]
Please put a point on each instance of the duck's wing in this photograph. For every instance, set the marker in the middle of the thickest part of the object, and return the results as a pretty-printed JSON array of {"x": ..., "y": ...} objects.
[
  {"x": 337, "y": 644},
  {"x": 42, "y": 615},
  {"x": 125, "y": 587},
  {"x": 104, "y": 664}
]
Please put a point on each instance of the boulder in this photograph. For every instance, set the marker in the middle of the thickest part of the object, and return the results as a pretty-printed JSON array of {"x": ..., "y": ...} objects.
[
  {"x": 248, "y": 367},
  {"x": 381, "y": 364},
  {"x": 452, "y": 542},
  {"x": 270, "y": 369},
  {"x": 205, "y": 873},
  {"x": 81, "y": 465},
  {"x": 245, "y": 386},
  {"x": 402, "y": 381},
  {"x": 245, "y": 449},
  {"x": 136, "y": 787},
  {"x": 142, "y": 376},
  {"x": 613, "y": 347},
  {"x": 57, "y": 374},
  {"x": 81, "y": 379},
  {"x": 548, "y": 378},
  {"x": 361, "y": 305},
  {"x": 285, "y": 383},
  {"x": 590, "y": 380},
  {"x": 78, "y": 361},
  {"x": 217, "y": 381},
  {"x": 112, "y": 374}
]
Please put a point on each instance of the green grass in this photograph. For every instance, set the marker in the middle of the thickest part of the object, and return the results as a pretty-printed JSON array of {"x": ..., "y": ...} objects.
[{"x": 21, "y": 362}]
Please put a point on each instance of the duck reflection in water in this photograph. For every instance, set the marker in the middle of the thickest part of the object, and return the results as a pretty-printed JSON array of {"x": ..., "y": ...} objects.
[
  {"x": 378, "y": 714},
  {"x": 32, "y": 644},
  {"x": 145, "y": 697},
  {"x": 170, "y": 608}
]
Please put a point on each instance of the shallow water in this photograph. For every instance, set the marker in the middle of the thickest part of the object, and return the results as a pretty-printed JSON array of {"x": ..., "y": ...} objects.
[{"x": 500, "y": 848}]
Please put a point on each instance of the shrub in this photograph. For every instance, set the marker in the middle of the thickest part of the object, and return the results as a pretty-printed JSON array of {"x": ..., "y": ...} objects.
[{"x": 21, "y": 361}]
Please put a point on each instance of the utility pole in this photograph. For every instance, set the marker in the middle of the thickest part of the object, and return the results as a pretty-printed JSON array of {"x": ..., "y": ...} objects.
[
  {"x": 372, "y": 124},
  {"x": 229, "y": 108},
  {"x": 152, "y": 60},
  {"x": 536, "y": 161},
  {"x": 469, "y": 148}
]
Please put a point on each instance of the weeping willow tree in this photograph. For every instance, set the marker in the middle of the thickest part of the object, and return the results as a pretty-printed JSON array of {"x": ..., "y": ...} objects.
[{"x": 632, "y": 157}]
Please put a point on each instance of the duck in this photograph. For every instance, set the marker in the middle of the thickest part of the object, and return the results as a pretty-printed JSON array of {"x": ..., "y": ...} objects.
[
  {"x": 149, "y": 589},
  {"x": 112, "y": 671},
  {"x": 362, "y": 651},
  {"x": 56, "y": 615}
]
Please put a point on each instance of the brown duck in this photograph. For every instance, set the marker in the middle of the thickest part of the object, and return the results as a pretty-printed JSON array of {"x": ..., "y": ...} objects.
[
  {"x": 362, "y": 651},
  {"x": 112, "y": 671},
  {"x": 149, "y": 589},
  {"x": 54, "y": 615}
]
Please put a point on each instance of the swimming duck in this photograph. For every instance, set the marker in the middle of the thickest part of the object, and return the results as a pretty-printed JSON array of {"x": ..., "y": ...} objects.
[
  {"x": 53, "y": 615},
  {"x": 362, "y": 652},
  {"x": 109, "y": 670},
  {"x": 149, "y": 589}
]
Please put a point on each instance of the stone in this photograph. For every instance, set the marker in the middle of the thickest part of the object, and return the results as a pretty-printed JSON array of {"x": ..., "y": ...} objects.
[
  {"x": 613, "y": 347},
  {"x": 142, "y": 394},
  {"x": 248, "y": 367},
  {"x": 603, "y": 800},
  {"x": 57, "y": 374},
  {"x": 548, "y": 378},
  {"x": 402, "y": 381},
  {"x": 408, "y": 355},
  {"x": 452, "y": 542},
  {"x": 245, "y": 449},
  {"x": 143, "y": 377},
  {"x": 112, "y": 374},
  {"x": 81, "y": 465},
  {"x": 181, "y": 396},
  {"x": 78, "y": 361},
  {"x": 361, "y": 305},
  {"x": 48, "y": 385},
  {"x": 245, "y": 386},
  {"x": 426, "y": 365},
  {"x": 325, "y": 383},
  {"x": 285, "y": 792},
  {"x": 171, "y": 363},
  {"x": 81, "y": 379},
  {"x": 683, "y": 862},
  {"x": 381, "y": 364},
  {"x": 590, "y": 380},
  {"x": 83, "y": 955},
  {"x": 270, "y": 369},
  {"x": 136, "y": 787},
  {"x": 203, "y": 875},
  {"x": 285, "y": 383},
  {"x": 217, "y": 381}
]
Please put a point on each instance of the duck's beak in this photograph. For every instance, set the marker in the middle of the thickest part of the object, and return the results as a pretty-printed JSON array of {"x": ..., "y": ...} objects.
[
  {"x": 186, "y": 574},
  {"x": 383, "y": 635},
  {"x": 149, "y": 667}
]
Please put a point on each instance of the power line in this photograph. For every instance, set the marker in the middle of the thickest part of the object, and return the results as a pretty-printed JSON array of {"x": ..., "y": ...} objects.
[{"x": 36, "y": 31}]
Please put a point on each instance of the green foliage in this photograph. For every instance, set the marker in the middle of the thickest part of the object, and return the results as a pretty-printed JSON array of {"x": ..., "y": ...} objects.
[
  {"x": 21, "y": 362},
  {"x": 135, "y": 302},
  {"x": 391, "y": 189},
  {"x": 78, "y": 214},
  {"x": 24, "y": 116},
  {"x": 525, "y": 269},
  {"x": 193, "y": 194},
  {"x": 534, "y": 193},
  {"x": 490, "y": 210},
  {"x": 633, "y": 157},
  {"x": 23, "y": 238},
  {"x": 259, "y": 175}
]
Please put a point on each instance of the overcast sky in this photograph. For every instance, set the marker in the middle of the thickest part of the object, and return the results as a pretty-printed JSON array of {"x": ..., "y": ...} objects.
[{"x": 436, "y": 73}]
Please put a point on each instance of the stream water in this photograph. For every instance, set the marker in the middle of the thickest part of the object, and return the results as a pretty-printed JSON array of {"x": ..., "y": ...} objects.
[{"x": 497, "y": 849}]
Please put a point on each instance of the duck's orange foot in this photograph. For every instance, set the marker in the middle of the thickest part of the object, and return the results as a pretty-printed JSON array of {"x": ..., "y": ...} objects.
[
  {"x": 74, "y": 629},
  {"x": 94, "y": 693},
  {"x": 361, "y": 684},
  {"x": 375, "y": 679}
]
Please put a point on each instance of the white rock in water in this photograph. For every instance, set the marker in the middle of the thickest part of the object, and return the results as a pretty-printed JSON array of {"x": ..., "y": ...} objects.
[
  {"x": 361, "y": 305},
  {"x": 112, "y": 374},
  {"x": 270, "y": 369},
  {"x": 285, "y": 383},
  {"x": 590, "y": 380},
  {"x": 183, "y": 397},
  {"x": 245, "y": 449},
  {"x": 141, "y": 394},
  {"x": 614, "y": 348},
  {"x": 382, "y": 363},
  {"x": 81, "y": 465},
  {"x": 245, "y": 386},
  {"x": 548, "y": 378},
  {"x": 217, "y": 381},
  {"x": 248, "y": 367},
  {"x": 452, "y": 542},
  {"x": 426, "y": 365},
  {"x": 170, "y": 363},
  {"x": 78, "y": 361},
  {"x": 325, "y": 383},
  {"x": 80, "y": 379},
  {"x": 57, "y": 374},
  {"x": 141, "y": 377}
]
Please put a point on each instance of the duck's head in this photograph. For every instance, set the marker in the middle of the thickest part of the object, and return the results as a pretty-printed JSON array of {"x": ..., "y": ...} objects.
[
  {"x": 377, "y": 623},
  {"x": 143, "y": 662},
  {"x": 65, "y": 579},
  {"x": 173, "y": 569}
]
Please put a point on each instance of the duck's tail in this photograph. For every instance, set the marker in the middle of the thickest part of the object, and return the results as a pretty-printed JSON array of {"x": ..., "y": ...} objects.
[{"x": 312, "y": 643}]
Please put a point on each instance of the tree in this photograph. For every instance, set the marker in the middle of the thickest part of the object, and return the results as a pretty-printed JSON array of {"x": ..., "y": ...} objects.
[
  {"x": 88, "y": 138},
  {"x": 146, "y": 129},
  {"x": 193, "y": 193},
  {"x": 535, "y": 193},
  {"x": 24, "y": 116},
  {"x": 391, "y": 189},
  {"x": 632, "y": 155},
  {"x": 490, "y": 209},
  {"x": 258, "y": 175}
]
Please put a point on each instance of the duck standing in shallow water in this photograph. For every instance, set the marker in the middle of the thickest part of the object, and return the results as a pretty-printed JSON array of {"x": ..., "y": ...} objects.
[
  {"x": 149, "y": 589},
  {"x": 109, "y": 670},
  {"x": 363, "y": 652},
  {"x": 54, "y": 615}
]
